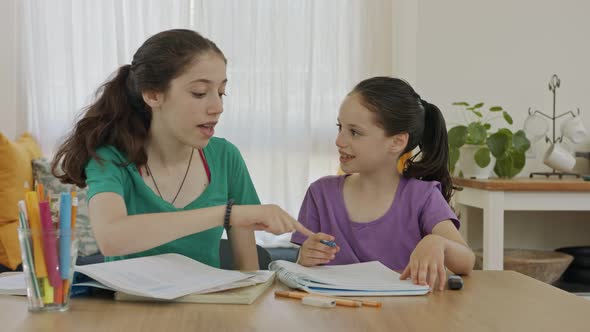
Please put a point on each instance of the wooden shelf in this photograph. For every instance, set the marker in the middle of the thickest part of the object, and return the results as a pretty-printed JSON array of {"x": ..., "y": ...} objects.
[{"x": 524, "y": 184}]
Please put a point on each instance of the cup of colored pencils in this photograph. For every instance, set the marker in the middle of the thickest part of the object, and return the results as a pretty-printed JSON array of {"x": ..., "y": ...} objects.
[{"x": 49, "y": 250}]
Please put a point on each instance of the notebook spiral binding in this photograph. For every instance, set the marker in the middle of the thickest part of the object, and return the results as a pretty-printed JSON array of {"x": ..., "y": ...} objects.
[{"x": 290, "y": 279}]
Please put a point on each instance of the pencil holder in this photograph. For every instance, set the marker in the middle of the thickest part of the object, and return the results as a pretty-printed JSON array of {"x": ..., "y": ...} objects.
[{"x": 49, "y": 258}]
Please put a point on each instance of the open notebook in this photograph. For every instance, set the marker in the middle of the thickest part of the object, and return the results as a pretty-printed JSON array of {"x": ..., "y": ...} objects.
[
  {"x": 362, "y": 279},
  {"x": 166, "y": 276}
]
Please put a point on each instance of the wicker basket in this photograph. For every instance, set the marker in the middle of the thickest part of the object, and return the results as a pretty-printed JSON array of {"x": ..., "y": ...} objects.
[{"x": 546, "y": 266}]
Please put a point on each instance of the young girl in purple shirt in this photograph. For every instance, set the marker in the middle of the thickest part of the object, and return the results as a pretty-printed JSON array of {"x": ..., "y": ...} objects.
[{"x": 373, "y": 212}]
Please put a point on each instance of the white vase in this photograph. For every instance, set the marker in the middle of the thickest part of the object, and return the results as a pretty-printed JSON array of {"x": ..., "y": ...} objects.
[{"x": 469, "y": 167}]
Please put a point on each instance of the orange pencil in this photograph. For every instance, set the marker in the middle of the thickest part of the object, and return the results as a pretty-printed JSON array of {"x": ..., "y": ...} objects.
[
  {"x": 300, "y": 295},
  {"x": 40, "y": 192},
  {"x": 363, "y": 302},
  {"x": 58, "y": 295},
  {"x": 66, "y": 290}
]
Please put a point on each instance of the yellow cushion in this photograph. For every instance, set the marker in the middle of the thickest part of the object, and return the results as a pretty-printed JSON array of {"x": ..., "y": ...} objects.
[
  {"x": 28, "y": 142},
  {"x": 15, "y": 172}
]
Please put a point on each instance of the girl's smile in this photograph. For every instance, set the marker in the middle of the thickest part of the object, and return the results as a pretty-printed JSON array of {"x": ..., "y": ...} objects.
[{"x": 345, "y": 157}]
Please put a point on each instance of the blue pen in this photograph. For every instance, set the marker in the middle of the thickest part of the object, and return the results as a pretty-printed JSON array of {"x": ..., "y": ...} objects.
[
  {"x": 328, "y": 243},
  {"x": 65, "y": 231}
]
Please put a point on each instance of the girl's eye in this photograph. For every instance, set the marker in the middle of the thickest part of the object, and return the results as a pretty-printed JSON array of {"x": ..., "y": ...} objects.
[
  {"x": 222, "y": 94},
  {"x": 354, "y": 132},
  {"x": 339, "y": 127},
  {"x": 198, "y": 95}
]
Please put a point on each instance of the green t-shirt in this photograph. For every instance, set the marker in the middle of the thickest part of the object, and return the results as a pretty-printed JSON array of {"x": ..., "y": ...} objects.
[{"x": 229, "y": 179}]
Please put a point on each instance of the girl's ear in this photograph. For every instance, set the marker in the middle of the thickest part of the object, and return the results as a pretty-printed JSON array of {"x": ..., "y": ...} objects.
[
  {"x": 399, "y": 143},
  {"x": 153, "y": 98}
]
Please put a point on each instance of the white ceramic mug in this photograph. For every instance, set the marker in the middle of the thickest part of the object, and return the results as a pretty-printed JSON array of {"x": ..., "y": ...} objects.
[
  {"x": 535, "y": 127},
  {"x": 573, "y": 128},
  {"x": 558, "y": 158}
]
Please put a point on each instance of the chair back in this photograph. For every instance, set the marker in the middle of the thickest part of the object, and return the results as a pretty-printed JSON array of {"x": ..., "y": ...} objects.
[{"x": 227, "y": 260}]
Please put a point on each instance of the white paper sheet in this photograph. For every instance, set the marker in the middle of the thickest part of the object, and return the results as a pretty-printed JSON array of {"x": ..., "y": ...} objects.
[{"x": 13, "y": 284}]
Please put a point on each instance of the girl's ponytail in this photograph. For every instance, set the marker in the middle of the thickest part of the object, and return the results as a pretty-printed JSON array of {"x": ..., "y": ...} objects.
[
  {"x": 431, "y": 163},
  {"x": 117, "y": 118}
]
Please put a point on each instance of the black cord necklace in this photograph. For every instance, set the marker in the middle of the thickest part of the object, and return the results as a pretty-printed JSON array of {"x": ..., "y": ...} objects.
[{"x": 181, "y": 184}]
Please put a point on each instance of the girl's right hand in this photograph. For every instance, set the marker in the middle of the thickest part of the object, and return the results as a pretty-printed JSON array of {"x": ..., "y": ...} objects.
[
  {"x": 269, "y": 217},
  {"x": 313, "y": 252}
]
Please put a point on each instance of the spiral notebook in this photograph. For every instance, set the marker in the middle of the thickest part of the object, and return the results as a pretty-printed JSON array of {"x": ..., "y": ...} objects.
[{"x": 362, "y": 279}]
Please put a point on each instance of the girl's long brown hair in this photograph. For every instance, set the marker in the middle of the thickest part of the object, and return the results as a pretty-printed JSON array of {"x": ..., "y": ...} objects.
[{"x": 119, "y": 116}]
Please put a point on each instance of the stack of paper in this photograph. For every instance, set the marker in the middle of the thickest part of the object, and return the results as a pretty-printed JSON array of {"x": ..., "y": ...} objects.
[{"x": 239, "y": 292}]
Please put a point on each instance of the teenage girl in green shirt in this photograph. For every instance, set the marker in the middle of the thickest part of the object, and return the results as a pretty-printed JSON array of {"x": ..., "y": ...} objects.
[{"x": 158, "y": 180}]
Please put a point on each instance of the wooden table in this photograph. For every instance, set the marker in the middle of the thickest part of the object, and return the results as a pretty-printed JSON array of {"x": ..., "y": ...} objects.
[
  {"x": 496, "y": 196},
  {"x": 489, "y": 301}
]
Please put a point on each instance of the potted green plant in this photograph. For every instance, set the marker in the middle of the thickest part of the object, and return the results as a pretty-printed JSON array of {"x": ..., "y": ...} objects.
[{"x": 478, "y": 150}]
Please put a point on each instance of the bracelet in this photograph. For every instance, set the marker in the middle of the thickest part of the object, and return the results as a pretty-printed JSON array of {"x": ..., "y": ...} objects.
[{"x": 228, "y": 207}]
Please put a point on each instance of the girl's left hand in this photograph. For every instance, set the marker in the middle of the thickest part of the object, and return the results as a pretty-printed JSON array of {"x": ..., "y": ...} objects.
[{"x": 427, "y": 263}]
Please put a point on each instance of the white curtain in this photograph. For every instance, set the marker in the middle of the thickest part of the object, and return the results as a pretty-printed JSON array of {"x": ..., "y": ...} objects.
[
  {"x": 290, "y": 65},
  {"x": 70, "y": 47}
]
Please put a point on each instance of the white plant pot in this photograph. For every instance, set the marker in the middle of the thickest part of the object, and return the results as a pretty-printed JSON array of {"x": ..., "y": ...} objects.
[{"x": 467, "y": 165}]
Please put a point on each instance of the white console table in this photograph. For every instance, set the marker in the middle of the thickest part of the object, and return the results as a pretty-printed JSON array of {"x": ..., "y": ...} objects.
[{"x": 495, "y": 196}]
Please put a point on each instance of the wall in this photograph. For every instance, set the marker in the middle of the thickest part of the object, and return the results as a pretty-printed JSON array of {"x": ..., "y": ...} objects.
[
  {"x": 405, "y": 34},
  {"x": 504, "y": 52},
  {"x": 10, "y": 119}
]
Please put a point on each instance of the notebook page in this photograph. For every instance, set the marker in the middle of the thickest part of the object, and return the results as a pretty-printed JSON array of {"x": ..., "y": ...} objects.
[
  {"x": 243, "y": 295},
  {"x": 165, "y": 276},
  {"x": 360, "y": 276},
  {"x": 254, "y": 278},
  {"x": 337, "y": 292}
]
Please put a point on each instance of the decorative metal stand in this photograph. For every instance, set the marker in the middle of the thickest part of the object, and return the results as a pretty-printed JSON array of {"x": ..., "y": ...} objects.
[{"x": 554, "y": 83}]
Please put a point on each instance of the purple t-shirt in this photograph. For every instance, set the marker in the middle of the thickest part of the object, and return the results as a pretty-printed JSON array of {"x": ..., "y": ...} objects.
[{"x": 418, "y": 206}]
